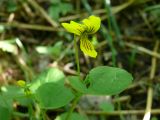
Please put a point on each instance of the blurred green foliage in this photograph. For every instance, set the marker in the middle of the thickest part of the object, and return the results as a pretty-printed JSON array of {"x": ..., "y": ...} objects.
[{"x": 58, "y": 7}]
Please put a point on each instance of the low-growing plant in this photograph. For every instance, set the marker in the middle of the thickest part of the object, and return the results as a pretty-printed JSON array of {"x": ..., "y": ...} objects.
[{"x": 52, "y": 89}]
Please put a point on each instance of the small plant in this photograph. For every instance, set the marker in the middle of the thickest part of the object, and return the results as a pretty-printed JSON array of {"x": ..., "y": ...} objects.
[{"x": 52, "y": 89}]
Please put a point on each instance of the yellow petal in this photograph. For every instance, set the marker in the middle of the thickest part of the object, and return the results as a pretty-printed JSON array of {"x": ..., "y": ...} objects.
[
  {"x": 92, "y": 24},
  {"x": 74, "y": 27},
  {"x": 87, "y": 47}
]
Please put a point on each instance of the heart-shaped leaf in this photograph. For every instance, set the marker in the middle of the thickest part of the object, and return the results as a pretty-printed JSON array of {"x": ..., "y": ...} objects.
[
  {"x": 52, "y": 95},
  {"x": 106, "y": 80}
]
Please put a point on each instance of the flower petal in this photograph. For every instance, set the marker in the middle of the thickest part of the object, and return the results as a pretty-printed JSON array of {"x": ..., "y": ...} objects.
[
  {"x": 92, "y": 23},
  {"x": 87, "y": 47},
  {"x": 74, "y": 27}
]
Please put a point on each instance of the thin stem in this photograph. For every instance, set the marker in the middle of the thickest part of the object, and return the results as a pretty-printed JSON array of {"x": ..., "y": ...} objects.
[
  {"x": 30, "y": 111},
  {"x": 147, "y": 115},
  {"x": 30, "y": 26},
  {"x": 73, "y": 107},
  {"x": 77, "y": 56},
  {"x": 110, "y": 42},
  {"x": 113, "y": 23},
  {"x": 124, "y": 112},
  {"x": 87, "y": 6},
  {"x": 119, "y": 108},
  {"x": 43, "y": 12},
  {"x": 78, "y": 73}
]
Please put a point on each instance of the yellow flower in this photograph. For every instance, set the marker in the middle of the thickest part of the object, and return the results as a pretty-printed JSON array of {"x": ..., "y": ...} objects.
[
  {"x": 21, "y": 83},
  {"x": 87, "y": 27}
]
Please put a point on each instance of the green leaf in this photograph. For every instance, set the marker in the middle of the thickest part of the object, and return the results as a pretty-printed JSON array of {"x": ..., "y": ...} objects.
[
  {"x": 5, "y": 113},
  {"x": 77, "y": 84},
  {"x": 12, "y": 93},
  {"x": 105, "y": 80},
  {"x": 2, "y": 28},
  {"x": 106, "y": 106},
  {"x": 50, "y": 50},
  {"x": 153, "y": 7},
  {"x": 58, "y": 8},
  {"x": 9, "y": 94},
  {"x": 55, "y": 1},
  {"x": 50, "y": 75},
  {"x": 154, "y": 118},
  {"x": 12, "y": 6},
  {"x": 74, "y": 116},
  {"x": 6, "y": 103},
  {"x": 53, "y": 95},
  {"x": 54, "y": 11},
  {"x": 65, "y": 8},
  {"x": 56, "y": 49}
]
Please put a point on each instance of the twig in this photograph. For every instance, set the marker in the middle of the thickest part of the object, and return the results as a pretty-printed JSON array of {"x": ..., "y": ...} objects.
[
  {"x": 124, "y": 112},
  {"x": 52, "y": 22},
  {"x": 137, "y": 47},
  {"x": 22, "y": 64},
  {"x": 142, "y": 49},
  {"x": 43, "y": 13},
  {"x": 137, "y": 38},
  {"x": 30, "y": 26},
  {"x": 27, "y": 9},
  {"x": 65, "y": 51},
  {"x": 150, "y": 89},
  {"x": 114, "y": 10},
  {"x": 75, "y": 101}
]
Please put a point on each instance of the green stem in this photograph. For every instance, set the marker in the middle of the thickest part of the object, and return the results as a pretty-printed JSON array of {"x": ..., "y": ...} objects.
[
  {"x": 87, "y": 6},
  {"x": 113, "y": 23},
  {"x": 43, "y": 114},
  {"x": 72, "y": 108},
  {"x": 78, "y": 73},
  {"x": 30, "y": 111},
  {"x": 110, "y": 41},
  {"x": 119, "y": 107},
  {"x": 76, "y": 56}
]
